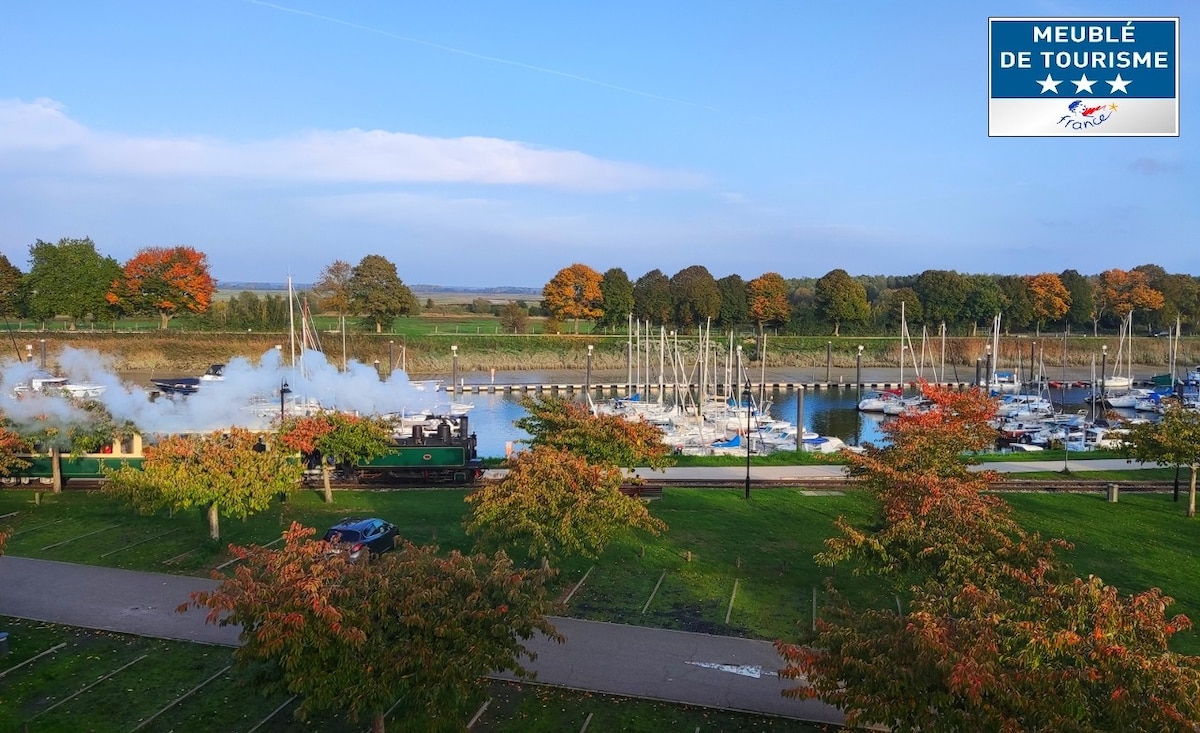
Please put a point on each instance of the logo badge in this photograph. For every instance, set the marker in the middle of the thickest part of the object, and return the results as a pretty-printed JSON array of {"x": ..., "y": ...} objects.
[{"x": 1079, "y": 77}]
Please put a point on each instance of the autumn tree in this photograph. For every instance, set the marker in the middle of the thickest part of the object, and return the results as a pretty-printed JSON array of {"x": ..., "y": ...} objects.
[
  {"x": 377, "y": 292},
  {"x": 335, "y": 439},
  {"x": 68, "y": 278},
  {"x": 165, "y": 281},
  {"x": 10, "y": 287},
  {"x": 604, "y": 439},
  {"x": 735, "y": 303},
  {"x": 767, "y": 300},
  {"x": 554, "y": 503},
  {"x": 616, "y": 297},
  {"x": 841, "y": 299},
  {"x": 574, "y": 293},
  {"x": 989, "y": 630},
  {"x": 514, "y": 318},
  {"x": 224, "y": 472},
  {"x": 333, "y": 288},
  {"x": 1051, "y": 299},
  {"x": 652, "y": 297},
  {"x": 411, "y": 628},
  {"x": 1117, "y": 292},
  {"x": 1172, "y": 441},
  {"x": 695, "y": 297}
]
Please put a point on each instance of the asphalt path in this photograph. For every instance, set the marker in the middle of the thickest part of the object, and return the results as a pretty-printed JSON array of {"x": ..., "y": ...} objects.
[{"x": 676, "y": 666}]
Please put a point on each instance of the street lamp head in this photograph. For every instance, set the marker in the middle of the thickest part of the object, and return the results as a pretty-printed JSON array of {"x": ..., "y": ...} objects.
[
  {"x": 590, "y": 347},
  {"x": 284, "y": 388},
  {"x": 860, "y": 348}
]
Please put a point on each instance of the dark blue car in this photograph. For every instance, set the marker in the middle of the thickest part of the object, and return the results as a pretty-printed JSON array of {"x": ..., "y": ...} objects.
[{"x": 355, "y": 535}]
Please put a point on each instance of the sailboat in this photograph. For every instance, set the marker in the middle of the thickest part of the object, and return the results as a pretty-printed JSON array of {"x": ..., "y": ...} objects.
[{"x": 1001, "y": 382}]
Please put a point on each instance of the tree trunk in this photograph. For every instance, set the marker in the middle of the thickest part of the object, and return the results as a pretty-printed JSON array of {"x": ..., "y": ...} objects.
[
  {"x": 326, "y": 469},
  {"x": 163, "y": 319},
  {"x": 837, "y": 327},
  {"x": 1192, "y": 491},
  {"x": 378, "y": 327},
  {"x": 214, "y": 519},
  {"x": 1095, "y": 327},
  {"x": 377, "y": 723},
  {"x": 56, "y": 479}
]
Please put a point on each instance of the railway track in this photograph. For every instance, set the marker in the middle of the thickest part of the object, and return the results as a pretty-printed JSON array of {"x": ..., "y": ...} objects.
[{"x": 1065, "y": 485}]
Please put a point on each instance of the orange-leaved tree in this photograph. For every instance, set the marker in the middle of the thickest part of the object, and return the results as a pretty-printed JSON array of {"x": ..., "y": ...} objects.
[
  {"x": 767, "y": 297},
  {"x": 574, "y": 293},
  {"x": 335, "y": 438},
  {"x": 977, "y": 625},
  {"x": 554, "y": 503},
  {"x": 166, "y": 281},
  {"x": 411, "y": 628},
  {"x": 1051, "y": 299},
  {"x": 1117, "y": 292},
  {"x": 224, "y": 472}
]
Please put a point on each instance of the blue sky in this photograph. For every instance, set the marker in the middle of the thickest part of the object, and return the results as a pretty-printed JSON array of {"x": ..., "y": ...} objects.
[{"x": 494, "y": 143}]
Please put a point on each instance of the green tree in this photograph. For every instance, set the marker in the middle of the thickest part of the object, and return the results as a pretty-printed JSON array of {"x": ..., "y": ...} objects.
[
  {"x": 11, "y": 279},
  {"x": 616, "y": 296},
  {"x": 379, "y": 293},
  {"x": 695, "y": 297},
  {"x": 735, "y": 304},
  {"x": 1172, "y": 441},
  {"x": 412, "y": 626},
  {"x": 69, "y": 278},
  {"x": 165, "y": 281},
  {"x": 606, "y": 439},
  {"x": 767, "y": 301},
  {"x": 554, "y": 503},
  {"x": 890, "y": 306},
  {"x": 336, "y": 438},
  {"x": 574, "y": 293},
  {"x": 943, "y": 295},
  {"x": 652, "y": 297},
  {"x": 225, "y": 473},
  {"x": 1018, "y": 302},
  {"x": 1079, "y": 314},
  {"x": 841, "y": 299},
  {"x": 514, "y": 318}
]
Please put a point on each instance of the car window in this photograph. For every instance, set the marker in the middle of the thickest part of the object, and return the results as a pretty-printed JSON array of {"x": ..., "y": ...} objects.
[{"x": 346, "y": 535}]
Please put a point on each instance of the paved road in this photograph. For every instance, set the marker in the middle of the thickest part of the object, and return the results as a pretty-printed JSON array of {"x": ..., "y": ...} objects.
[{"x": 699, "y": 669}]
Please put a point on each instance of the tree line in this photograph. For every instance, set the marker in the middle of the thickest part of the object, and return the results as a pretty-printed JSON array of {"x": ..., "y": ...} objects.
[
  {"x": 838, "y": 302},
  {"x": 72, "y": 279}
]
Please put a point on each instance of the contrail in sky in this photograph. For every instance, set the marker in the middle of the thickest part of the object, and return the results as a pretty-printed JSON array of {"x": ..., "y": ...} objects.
[{"x": 480, "y": 56}]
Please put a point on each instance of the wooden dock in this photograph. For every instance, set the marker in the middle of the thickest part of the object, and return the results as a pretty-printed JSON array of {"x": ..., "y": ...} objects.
[{"x": 625, "y": 388}]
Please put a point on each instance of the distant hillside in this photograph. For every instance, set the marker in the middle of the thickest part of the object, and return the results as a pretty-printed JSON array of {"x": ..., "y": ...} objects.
[{"x": 417, "y": 289}]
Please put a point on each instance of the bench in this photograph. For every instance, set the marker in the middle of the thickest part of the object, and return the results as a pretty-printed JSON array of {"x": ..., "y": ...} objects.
[{"x": 642, "y": 491}]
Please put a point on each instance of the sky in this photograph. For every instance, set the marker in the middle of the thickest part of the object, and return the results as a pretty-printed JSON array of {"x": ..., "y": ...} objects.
[{"x": 491, "y": 144}]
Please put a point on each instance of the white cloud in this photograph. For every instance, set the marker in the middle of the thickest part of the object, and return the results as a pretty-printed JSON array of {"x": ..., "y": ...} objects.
[{"x": 321, "y": 156}]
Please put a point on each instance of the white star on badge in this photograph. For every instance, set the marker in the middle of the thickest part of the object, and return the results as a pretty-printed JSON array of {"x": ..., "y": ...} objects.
[
  {"x": 1084, "y": 84},
  {"x": 1049, "y": 85},
  {"x": 1118, "y": 85}
]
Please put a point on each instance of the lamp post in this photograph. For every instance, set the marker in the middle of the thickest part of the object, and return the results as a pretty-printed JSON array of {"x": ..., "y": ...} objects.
[
  {"x": 987, "y": 371},
  {"x": 588, "y": 376},
  {"x": 1103, "y": 366},
  {"x": 746, "y": 397},
  {"x": 857, "y": 372},
  {"x": 284, "y": 391}
]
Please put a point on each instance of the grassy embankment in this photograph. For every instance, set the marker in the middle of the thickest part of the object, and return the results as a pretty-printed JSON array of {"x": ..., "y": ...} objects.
[
  {"x": 716, "y": 538},
  {"x": 423, "y": 343}
]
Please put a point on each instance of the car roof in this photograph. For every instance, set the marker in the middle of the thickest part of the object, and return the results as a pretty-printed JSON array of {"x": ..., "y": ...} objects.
[{"x": 356, "y": 524}]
